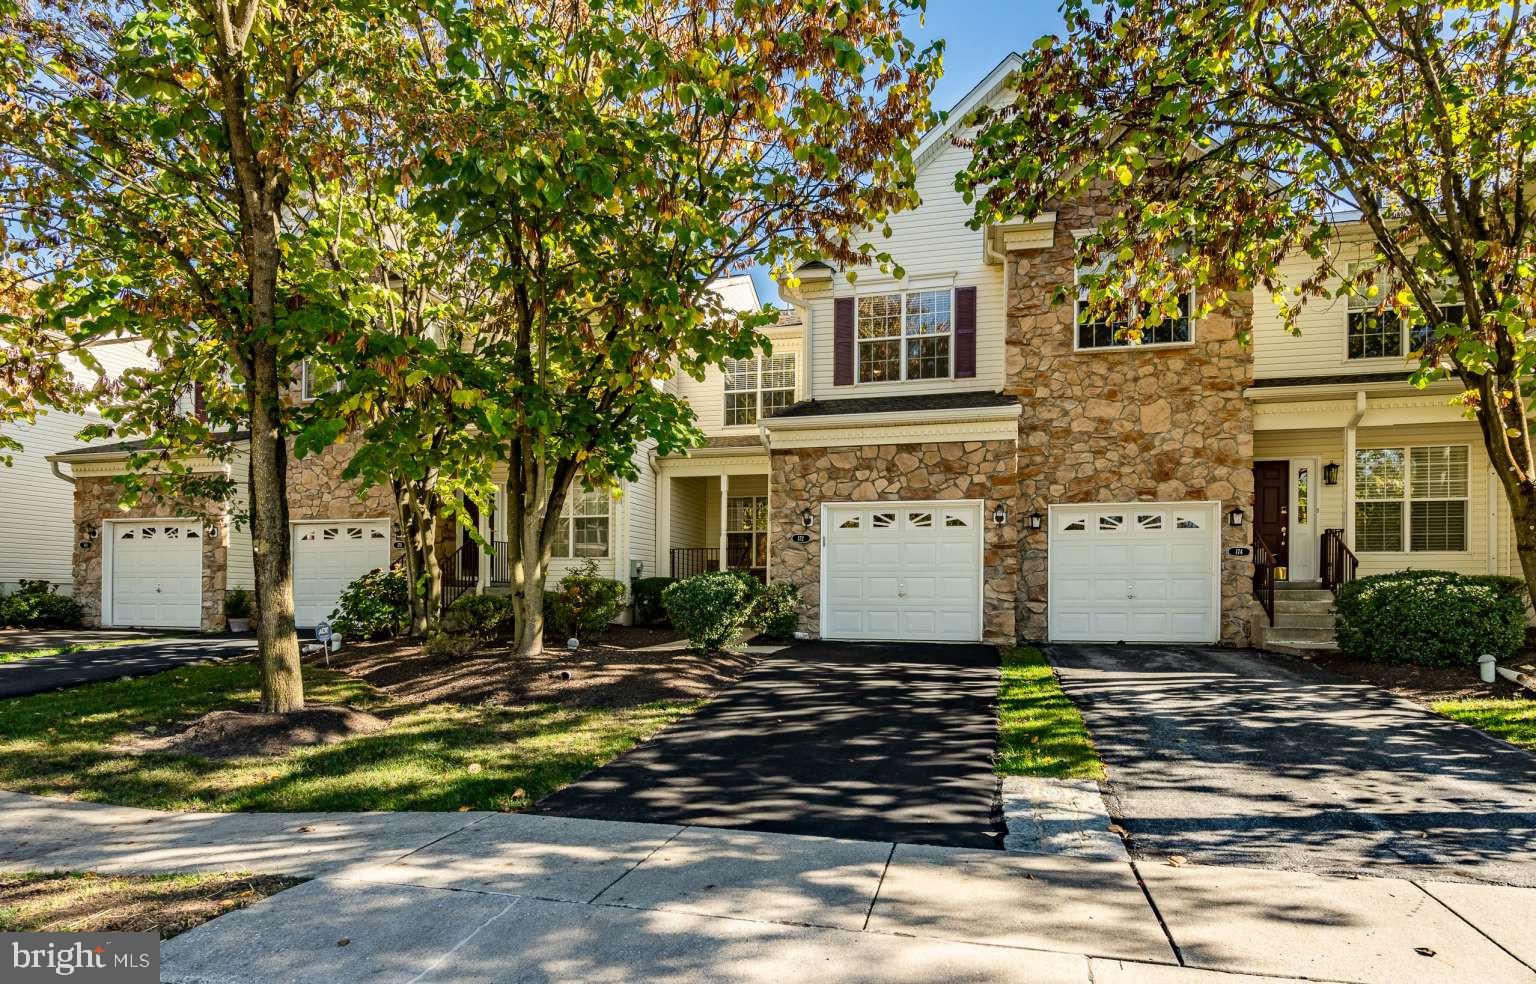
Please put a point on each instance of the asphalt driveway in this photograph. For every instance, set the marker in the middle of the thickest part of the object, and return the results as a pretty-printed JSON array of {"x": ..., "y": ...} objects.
[
  {"x": 864, "y": 741},
  {"x": 133, "y": 657},
  {"x": 1237, "y": 757}
]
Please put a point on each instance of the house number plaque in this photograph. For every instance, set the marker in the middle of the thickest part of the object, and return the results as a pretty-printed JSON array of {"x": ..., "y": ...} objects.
[{"x": 799, "y": 538}]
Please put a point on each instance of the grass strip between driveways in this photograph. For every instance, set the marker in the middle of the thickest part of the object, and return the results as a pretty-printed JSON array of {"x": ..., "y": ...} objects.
[
  {"x": 16, "y": 656},
  {"x": 75, "y": 902},
  {"x": 1039, "y": 731},
  {"x": 1512, "y": 720},
  {"x": 432, "y": 757}
]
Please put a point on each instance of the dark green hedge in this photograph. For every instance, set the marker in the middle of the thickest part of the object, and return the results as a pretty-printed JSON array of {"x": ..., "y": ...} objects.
[{"x": 1435, "y": 618}]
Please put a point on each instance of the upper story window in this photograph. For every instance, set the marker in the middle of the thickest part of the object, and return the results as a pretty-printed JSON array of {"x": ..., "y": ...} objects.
[
  {"x": 1412, "y": 499},
  {"x": 316, "y": 378},
  {"x": 1374, "y": 334},
  {"x": 582, "y": 530},
  {"x": 1111, "y": 333},
  {"x": 905, "y": 336},
  {"x": 758, "y": 387}
]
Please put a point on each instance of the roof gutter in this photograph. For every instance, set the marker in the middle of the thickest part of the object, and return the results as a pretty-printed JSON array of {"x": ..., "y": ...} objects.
[{"x": 54, "y": 466}]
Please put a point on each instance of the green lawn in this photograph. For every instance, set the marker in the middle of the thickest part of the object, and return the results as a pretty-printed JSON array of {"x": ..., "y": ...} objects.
[
  {"x": 1039, "y": 732},
  {"x": 21, "y": 654},
  {"x": 1512, "y": 720},
  {"x": 432, "y": 757}
]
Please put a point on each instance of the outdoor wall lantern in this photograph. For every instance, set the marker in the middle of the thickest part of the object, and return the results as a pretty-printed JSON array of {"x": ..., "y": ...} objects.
[
  {"x": 1035, "y": 519},
  {"x": 806, "y": 519},
  {"x": 1331, "y": 473},
  {"x": 1235, "y": 517},
  {"x": 1000, "y": 514}
]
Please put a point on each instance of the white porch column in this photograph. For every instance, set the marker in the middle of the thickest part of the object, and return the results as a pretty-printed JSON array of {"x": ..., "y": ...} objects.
[
  {"x": 664, "y": 524},
  {"x": 1349, "y": 470},
  {"x": 725, "y": 494},
  {"x": 483, "y": 575}
]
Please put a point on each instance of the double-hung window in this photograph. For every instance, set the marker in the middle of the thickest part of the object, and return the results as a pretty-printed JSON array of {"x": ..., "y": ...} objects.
[
  {"x": 316, "y": 378},
  {"x": 746, "y": 531},
  {"x": 582, "y": 530},
  {"x": 906, "y": 336},
  {"x": 1412, "y": 499},
  {"x": 1381, "y": 334},
  {"x": 758, "y": 387},
  {"x": 1110, "y": 332}
]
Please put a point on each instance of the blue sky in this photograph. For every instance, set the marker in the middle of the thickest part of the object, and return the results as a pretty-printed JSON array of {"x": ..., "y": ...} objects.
[{"x": 977, "y": 35}]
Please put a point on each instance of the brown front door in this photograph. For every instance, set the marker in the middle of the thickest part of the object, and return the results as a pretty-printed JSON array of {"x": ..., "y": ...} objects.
[{"x": 1272, "y": 510}]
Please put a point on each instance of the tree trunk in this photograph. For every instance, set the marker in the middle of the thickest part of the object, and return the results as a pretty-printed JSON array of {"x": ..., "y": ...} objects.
[
  {"x": 282, "y": 682},
  {"x": 414, "y": 562},
  {"x": 530, "y": 565},
  {"x": 528, "y": 609}
]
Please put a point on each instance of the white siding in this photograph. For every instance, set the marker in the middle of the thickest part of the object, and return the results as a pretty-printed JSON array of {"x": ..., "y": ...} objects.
[
  {"x": 707, "y": 396},
  {"x": 640, "y": 512},
  {"x": 934, "y": 245},
  {"x": 37, "y": 518},
  {"x": 1320, "y": 348}
]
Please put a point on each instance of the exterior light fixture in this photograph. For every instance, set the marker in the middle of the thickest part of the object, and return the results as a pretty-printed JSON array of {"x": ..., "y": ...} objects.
[
  {"x": 1000, "y": 514},
  {"x": 806, "y": 519},
  {"x": 1331, "y": 473},
  {"x": 1035, "y": 520},
  {"x": 1235, "y": 517}
]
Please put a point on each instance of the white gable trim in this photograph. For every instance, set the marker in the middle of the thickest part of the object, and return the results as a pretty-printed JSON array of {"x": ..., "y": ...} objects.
[{"x": 984, "y": 92}]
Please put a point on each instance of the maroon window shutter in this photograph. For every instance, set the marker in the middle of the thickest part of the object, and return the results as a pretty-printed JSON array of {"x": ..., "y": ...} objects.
[
  {"x": 965, "y": 332},
  {"x": 842, "y": 341}
]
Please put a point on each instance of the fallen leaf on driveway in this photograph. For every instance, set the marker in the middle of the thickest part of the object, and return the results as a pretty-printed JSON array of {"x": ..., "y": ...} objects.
[
  {"x": 1176, "y": 860},
  {"x": 1424, "y": 951},
  {"x": 306, "y": 829},
  {"x": 1115, "y": 828},
  {"x": 343, "y": 942}
]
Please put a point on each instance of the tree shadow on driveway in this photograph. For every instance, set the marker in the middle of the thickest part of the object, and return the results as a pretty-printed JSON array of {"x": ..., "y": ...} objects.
[{"x": 1233, "y": 756}]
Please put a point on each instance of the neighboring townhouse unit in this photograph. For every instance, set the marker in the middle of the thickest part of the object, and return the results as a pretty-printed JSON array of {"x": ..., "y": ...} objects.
[
  {"x": 37, "y": 530},
  {"x": 952, "y": 455}
]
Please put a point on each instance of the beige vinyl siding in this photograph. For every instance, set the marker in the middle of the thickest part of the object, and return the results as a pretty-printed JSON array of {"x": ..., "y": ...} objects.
[
  {"x": 688, "y": 508},
  {"x": 241, "y": 564},
  {"x": 640, "y": 512},
  {"x": 1321, "y": 347},
  {"x": 934, "y": 245},
  {"x": 37, "y": 519},
  {"x": 707, "y": 395},
  {"x": 1484, "y": 552}
]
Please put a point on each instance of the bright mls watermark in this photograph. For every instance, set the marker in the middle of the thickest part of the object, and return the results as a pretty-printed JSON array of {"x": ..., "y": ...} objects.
[{"x": 86, "y": 958}]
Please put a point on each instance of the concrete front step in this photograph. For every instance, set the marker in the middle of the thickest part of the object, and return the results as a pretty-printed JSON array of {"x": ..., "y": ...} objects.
[
  {"x": 1302, "y": 594},
  {"x": 1299, "y": 647},
  {"x": 1285, "y": 618},
  {"x": 1284, "y": 604},
  {"x": 1303, "y": 633}
]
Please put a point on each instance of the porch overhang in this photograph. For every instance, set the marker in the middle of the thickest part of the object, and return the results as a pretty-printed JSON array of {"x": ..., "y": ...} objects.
[{"x": 946, "y": 417}]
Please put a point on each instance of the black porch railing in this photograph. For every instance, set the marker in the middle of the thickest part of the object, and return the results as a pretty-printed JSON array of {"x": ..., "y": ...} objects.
[
  {"x": 1264, "y": 575},
  {"x": 688, "y": 561},
  {"x": 1340, "y": 565}
]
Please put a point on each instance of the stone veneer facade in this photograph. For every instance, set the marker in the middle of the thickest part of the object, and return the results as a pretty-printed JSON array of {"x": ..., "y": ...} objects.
[
  {"x": 96, "y": 503},
  {"x": 804, "y": 478},
  {"x": 1125, "y": 425}
]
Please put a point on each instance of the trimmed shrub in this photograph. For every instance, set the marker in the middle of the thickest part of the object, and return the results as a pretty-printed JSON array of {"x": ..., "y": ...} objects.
[
  {"x": 375, "y": 606},
  {"x": 776, "y": 611},
  {"x": 710, "y": 608},
  {"x": 585, "y": 604},
  {"x": 238, "y": 603},
  {"x": 647, "y": 594},
  {"x": 482, "y": 616},
  {"x": 450, "y": 645},
  {"x": 1435, "y": 618},
  {"x": 35, "y": 606}
]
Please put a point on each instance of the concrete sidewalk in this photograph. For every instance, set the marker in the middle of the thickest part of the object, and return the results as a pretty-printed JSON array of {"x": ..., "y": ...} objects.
[{"x": 417, "y": 897}]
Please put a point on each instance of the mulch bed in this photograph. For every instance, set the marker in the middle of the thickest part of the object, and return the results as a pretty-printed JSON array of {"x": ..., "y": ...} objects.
[
  {"x": 1425, "y": 684},
  {"x": 627, "y": 666},
  {"x": 241, "y": 733}
]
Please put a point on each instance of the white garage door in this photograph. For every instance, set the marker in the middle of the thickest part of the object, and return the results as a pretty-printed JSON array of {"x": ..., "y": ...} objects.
[
  {"x": 157, "y": 574},
  {"x": 902, "y": 571},
  {"x": 1136, "y": 572},
  {"x": 329, "y": 556}
]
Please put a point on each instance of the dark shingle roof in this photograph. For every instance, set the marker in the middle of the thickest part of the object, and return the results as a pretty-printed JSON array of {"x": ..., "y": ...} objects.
[
  {"x": 898, "y": 404},
  {"x": 1334, "y": 380},
  {"x": 142, "y": 444}
]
